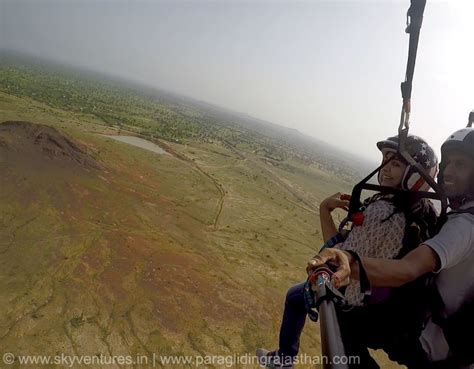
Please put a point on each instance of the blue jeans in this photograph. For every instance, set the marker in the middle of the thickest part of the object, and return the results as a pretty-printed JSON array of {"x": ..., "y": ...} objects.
[{"x": 293, "y": 322}]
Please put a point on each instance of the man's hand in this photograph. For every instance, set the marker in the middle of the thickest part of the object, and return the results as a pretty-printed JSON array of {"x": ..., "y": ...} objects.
[{"x": 334, "y": 257}]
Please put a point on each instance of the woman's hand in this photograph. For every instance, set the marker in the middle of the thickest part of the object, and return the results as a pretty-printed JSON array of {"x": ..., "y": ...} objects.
[
  {"x": 336, "y": 257},
  {"x": 338, "y": 200}
]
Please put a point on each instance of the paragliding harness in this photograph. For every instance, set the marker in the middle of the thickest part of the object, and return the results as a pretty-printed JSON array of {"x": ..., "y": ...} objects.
[
  {"x": 356, "y": 207},
  {"x": 457, "y": 326},
  {"x": 414, "y": 21},
  {"x": 461, "y": 323},
  {"x": 355, "y": 215},
  {"x": 319, "y": 294},
  {"x": 456, "y": 329}
]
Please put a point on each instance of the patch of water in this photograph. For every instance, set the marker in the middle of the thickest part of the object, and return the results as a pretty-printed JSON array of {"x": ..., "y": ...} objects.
[{"x": 139, "y": 142}]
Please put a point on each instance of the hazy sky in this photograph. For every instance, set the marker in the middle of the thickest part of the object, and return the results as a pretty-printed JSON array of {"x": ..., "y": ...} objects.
[{"x": 329, "y": 69}]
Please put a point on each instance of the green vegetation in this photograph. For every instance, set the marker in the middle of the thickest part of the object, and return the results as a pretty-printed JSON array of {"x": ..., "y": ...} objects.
[{"x": 156, "y": 114}]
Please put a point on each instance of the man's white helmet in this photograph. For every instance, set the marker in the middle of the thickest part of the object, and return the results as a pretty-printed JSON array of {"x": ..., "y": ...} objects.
[{"x": 460, "y": 141}]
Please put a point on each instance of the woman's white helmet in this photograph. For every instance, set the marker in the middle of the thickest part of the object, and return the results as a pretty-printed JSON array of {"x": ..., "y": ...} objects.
[{"x": 422, "y": 153}]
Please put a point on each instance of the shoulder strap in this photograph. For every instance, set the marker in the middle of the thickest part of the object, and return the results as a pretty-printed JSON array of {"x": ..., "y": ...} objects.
[
  {"x": 453, "y": 212},
  {"x": 462, "y": 211},
  {"x": 365, "y": 287}
]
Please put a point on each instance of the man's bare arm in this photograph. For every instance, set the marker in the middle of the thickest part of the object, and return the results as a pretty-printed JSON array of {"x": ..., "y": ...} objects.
[
  {"x": 381, "y": 272},
  {"x": 395, "y": 273}
]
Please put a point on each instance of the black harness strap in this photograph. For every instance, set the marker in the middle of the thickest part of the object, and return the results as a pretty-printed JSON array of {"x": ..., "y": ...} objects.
[
  {"x": 365, "y": 287},
  {"x": 462, "y": 211},
  {"x": 414, "y": 21}
]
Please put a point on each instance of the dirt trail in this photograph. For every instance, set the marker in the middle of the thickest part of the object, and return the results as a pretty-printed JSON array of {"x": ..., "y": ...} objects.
[
  {"x": 189, "y": 161},
  {"x": 303, "y": 202},
  {"x": 180, "y": 156}
]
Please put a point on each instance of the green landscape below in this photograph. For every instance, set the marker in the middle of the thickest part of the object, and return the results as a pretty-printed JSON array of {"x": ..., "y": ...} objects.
[{"x": 107, "y": 248}]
